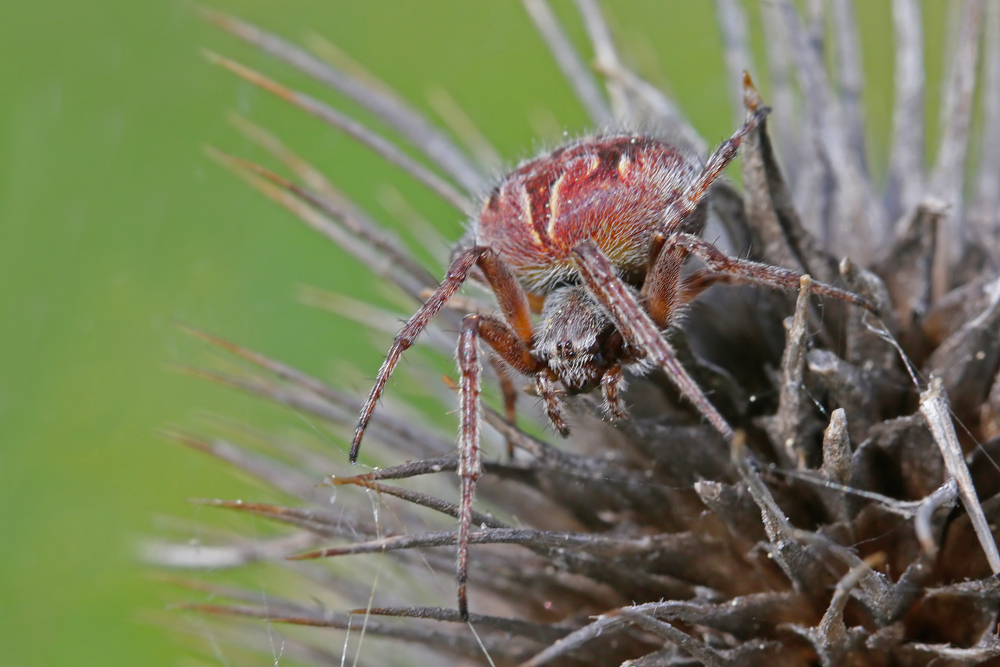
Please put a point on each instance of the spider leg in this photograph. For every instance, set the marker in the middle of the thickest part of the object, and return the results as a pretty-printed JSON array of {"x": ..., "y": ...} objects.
[
  {"x": 543, "y": 386},
  {"x": 469, "y": 464},
  {"x": 510, "y": 349},
  {"x": 511, "y": 297},
  {"x": 717, "y": 162},
  {"x": 699, "y": 281},
  {"x": 742, "y": 270},
  {"x": 638, "y": 329},
  {"x": 502, "y": 338},
  {"x": 665, "y": 290},
  {"x": 517, "y": 312},
  {"x": 458, "y": 272},
  {"x": 660, "y": 294},
  {"x": 509, "y": 393},
  {"x": 612, "y": 386}
]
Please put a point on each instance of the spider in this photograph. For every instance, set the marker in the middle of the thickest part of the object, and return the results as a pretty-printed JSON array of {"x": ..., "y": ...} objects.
[{"x": 590, "y": 238}]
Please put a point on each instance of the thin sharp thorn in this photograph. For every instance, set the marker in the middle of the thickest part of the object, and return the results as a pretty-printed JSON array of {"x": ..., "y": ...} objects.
[
  {"x": 569, "y": 61},
  {"x": 735, "y": 38},
  {"x": 352, "y": 128},
  {"x": 372, "y": 95}
]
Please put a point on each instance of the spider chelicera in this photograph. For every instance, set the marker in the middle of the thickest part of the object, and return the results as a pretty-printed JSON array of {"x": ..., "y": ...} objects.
[{"x": 583, "y": 248}]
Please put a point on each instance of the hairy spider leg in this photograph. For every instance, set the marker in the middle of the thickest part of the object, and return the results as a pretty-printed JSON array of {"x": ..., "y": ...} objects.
[
  {"x": 741, "y": 270},
  {"x": 457, "y": 274},
  {"x": 660, "y": 294},
  {"x": 511, "y": 340},
  {"x": 688, "y": 201},
  {"x": 517, "y": 311},
  {"x": 612, "y": 387},
  {"x": 664, "y": 290},
  {"x": 509, "y": 393},
  {"x": 638, "y": 329},
  {"x": 511, "y": 297},
  {"x": 698, "y": 281},
  {"x": 504, "y": 341},
  {"x": 553, "y": 408},
  {"x": 469, "y": 464}
]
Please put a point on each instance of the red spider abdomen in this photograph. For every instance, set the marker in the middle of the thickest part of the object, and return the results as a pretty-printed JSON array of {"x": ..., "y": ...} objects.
[{"x": 613, "y": 190}]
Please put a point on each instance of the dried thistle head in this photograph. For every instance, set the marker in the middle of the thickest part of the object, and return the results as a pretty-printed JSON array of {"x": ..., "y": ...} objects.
[{"x": 851, "y": 519}]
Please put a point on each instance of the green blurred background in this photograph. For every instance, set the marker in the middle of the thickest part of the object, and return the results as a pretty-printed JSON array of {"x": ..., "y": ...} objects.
[{"x": 113, "y": 224}]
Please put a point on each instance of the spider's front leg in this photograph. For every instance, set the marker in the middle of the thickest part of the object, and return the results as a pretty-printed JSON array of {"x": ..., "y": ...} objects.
[
  {"x": 505, "y": 342},
  {"x": 513, "y": 303},
  {"x": 457, "y": 274},
  {"x": 469, "y": 464},
  {"x": 638, "y": 328}
]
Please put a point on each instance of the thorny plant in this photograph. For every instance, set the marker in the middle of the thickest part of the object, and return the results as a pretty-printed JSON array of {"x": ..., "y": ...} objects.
[{"x": 823, "y": 529}]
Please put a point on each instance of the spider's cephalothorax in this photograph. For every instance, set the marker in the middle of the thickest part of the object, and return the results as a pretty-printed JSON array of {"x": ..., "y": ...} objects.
[
  {"x": 583, "y": 248},
  {"x": 576, "y": 340}
]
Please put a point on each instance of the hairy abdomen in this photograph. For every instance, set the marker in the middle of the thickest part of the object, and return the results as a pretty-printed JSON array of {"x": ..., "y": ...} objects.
[{"x": 613, "y": 190}]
